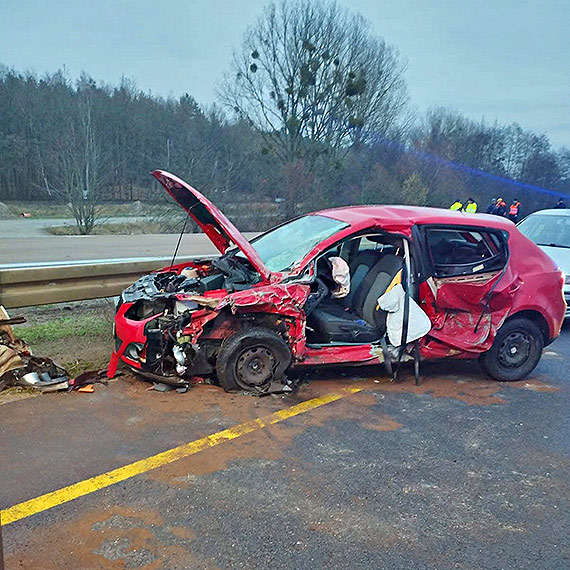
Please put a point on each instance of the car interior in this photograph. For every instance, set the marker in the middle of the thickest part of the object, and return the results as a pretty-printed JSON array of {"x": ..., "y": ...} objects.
[{"x": 374, "y": 261}]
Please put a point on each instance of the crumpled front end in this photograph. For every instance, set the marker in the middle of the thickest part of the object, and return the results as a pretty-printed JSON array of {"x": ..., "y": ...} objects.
[
  {"x": 149, "y": 334},
  {"x": 171, "y": 325},
  {"x": 160, "y": 317}
]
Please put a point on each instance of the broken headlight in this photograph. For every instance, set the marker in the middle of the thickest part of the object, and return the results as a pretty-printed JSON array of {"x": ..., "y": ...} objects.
[{"x": 143, "y": 309}]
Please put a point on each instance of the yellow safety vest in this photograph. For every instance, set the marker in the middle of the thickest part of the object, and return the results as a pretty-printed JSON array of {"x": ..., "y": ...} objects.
[
  {"x": 456, "y": 206},
  {"x": 471, "y": 208}
]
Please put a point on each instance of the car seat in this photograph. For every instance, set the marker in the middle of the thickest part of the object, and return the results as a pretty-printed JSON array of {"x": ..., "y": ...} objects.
[{"x": 356, "y": 319}]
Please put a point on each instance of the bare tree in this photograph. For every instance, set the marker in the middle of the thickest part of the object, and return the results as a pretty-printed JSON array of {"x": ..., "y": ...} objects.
[
  {"x": 312, "y": 79},
  {"x": 81, "y": 169}
]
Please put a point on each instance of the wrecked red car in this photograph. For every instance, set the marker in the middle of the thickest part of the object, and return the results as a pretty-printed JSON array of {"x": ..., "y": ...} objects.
[{"x": 471, "y": 284}]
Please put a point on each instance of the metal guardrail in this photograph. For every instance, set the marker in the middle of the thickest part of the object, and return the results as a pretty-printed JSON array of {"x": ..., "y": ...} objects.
[{"x": 60, "y": 283}]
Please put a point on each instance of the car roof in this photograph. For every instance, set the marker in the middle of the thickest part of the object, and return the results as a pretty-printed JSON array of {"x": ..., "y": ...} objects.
[
  {"x": 403, "y": 217},
  {"x": 552, "y": 212}
]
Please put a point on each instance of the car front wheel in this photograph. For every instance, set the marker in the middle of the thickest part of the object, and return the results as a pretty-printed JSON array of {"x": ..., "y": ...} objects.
[
  {"x": 515, "y": 352},
  {"x": 251, "y": 359}
]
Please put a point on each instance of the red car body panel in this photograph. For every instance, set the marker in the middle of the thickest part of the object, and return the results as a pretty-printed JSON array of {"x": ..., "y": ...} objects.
[{"x": 466, "y": 312}]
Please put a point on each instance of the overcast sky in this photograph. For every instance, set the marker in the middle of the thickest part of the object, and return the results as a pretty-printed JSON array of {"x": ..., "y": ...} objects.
[{"x": 499, "y": 59}]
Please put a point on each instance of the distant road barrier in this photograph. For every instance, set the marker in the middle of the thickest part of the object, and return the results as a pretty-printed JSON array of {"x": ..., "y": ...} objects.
[{"x": 38, "y": 284}]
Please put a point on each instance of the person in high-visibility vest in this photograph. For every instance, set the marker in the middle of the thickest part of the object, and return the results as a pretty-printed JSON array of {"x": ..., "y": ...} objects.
[
  {"x": 457, "y": 205},
  {"x": 471, "y": 206},
  {"x": 514, "y": 211}
]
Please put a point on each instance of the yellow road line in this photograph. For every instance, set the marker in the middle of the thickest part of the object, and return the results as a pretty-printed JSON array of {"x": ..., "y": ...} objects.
[{"x": 49, "y": 500}]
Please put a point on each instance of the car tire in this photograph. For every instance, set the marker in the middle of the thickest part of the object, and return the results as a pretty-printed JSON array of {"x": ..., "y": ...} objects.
[
  {"x": 515, "y": 352},
  {"x": 251, "y": 359}
]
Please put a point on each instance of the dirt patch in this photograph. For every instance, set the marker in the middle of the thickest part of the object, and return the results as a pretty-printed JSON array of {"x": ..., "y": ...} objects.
[
  {"x": 115, "y": 538},
  {"x": 383, "y": 423},
  {"x": 41, "y": 314},
  {"x": 472, "y": 392},
  {"x": 205, "y": 400},
  {"x": 183, "y": 532},
  {"x": 470, "y": 389},
  {"x": 78, "y": 336},
  {"x": 267, "y": 444},
  {"x": 83, "y": 355},
  {"x": 534, "y": 386},
  {"x": 271, "y": 442},
  {"x": 16, "y": 393}
]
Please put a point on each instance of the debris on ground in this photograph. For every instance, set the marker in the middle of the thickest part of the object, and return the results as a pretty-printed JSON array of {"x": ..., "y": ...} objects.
[
  {"x": 88, "y": 379},
  {"x": 19, "y": 367},
  {"x": 160, "y": 387}
]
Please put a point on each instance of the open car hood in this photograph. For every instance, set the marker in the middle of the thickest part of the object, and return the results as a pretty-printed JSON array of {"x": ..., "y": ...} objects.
[{"x": 214, "y": 224}]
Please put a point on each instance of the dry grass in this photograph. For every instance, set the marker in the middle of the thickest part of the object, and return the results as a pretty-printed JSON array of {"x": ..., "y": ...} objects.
[
  {"x": 125, "y": 228},
  {"x": 54, "y": 210}
]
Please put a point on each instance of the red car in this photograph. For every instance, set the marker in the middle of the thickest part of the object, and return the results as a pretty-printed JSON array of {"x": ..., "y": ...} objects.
[{"x": 259, "y": 309}]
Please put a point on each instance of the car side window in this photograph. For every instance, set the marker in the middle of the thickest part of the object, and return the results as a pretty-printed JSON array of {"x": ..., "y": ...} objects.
[{"x": 464, "y": 251}]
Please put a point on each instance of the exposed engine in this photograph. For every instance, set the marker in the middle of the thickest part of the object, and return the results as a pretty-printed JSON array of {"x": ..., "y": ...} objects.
[{"x": 171, "y": 297}]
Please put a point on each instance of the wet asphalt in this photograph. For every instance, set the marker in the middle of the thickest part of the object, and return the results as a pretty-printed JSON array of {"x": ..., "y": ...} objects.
[
  {"x": 31, "y": 244},
  {"x": 459, "y": 473}
]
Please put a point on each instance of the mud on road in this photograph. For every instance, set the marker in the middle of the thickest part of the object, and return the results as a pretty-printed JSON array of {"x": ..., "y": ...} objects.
[{"x": 460, "y": 472}]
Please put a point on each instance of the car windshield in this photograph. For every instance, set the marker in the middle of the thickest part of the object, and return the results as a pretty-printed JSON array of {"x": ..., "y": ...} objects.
[
  {"x": 547, "y": 230},
  {"x": 281, "y": 247}
]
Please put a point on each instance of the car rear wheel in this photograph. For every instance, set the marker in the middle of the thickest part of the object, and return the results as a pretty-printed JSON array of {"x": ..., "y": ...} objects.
[
  {"x": 251, "y": 359},
  {"x": 515, "y": 352}
]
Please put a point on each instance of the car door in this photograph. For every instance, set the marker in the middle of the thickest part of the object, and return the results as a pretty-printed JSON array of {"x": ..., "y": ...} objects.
[{"x": 466, "y": 286}]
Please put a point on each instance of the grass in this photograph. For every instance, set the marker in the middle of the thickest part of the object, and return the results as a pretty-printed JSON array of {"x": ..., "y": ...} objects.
[
  {"x": 54, "y": 210},
  {"x": 124, "y": 228},
  {"x": 167, "y": 224},
  {"x": 78, "y": 336},
  {"x": 66, "y": 328}
]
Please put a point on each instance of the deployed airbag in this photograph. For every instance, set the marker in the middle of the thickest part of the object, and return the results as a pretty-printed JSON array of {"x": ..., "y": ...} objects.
[
  {"x": 393, "y": 303},
  {"x": 341, "y": 276}
]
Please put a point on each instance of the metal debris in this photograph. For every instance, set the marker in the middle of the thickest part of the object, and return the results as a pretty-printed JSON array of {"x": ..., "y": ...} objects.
[{"x": 18, "y": 366}]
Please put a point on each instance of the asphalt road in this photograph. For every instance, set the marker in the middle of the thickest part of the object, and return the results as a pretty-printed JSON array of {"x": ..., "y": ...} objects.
[
  {"x": 24, "y": 240},
  {"x": 72, "y": 248},
  {"x": 461, "y": 472},
  {"x": 37, "y": 227}
]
